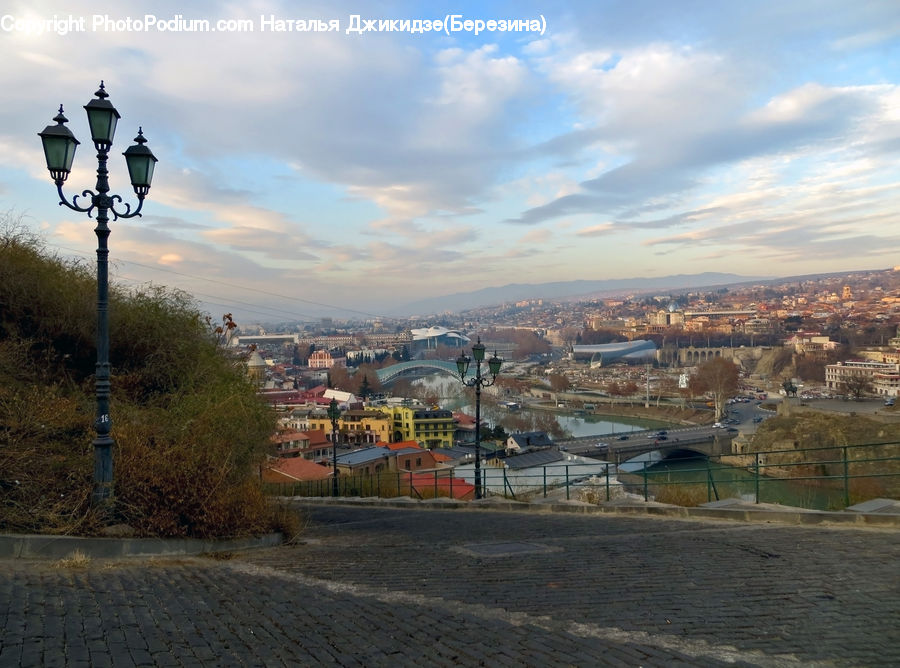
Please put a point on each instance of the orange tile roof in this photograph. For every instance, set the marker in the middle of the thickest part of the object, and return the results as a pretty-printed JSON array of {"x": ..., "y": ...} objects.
[
  {"x": 456, "y": 488},
  {"x": 317, "y": 437},
  {"x": 294, "y": 468},
  {"x": 402, "y": 445}
]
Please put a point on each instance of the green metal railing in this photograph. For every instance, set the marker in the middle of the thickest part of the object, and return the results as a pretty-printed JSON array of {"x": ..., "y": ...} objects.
[{"x": 822, "y": 478}]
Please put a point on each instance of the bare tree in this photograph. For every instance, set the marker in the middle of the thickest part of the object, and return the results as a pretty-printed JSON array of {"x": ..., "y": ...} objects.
[
  {"x": 559, "y": 383},
  {"x": 856, "y": 386},
  {"x": 720, "y": 378}
]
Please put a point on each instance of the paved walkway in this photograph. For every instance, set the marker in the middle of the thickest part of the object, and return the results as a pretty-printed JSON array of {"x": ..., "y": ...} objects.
[{"x": 409, "y": 587}]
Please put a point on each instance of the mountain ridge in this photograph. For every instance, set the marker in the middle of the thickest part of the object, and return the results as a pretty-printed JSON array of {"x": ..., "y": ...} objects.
[{"x": 583, "y": 288}]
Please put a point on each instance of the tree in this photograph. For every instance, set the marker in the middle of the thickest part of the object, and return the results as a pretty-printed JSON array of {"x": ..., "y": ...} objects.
[
  {"x": 339, "y": 378},
  {"x": 720, "y": 378},
  {"x": 630, "y": 389},
  {"x": 364, "y": 390},
  {"x": 558, "y": 382},
  {"x": 856, "y": 386},
  {"x": 665, "y": 385}
]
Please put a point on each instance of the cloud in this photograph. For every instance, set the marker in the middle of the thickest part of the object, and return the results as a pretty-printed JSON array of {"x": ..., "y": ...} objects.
[
  {"x": 600, "y": 230},
  {"x": 325, "y": 161}
]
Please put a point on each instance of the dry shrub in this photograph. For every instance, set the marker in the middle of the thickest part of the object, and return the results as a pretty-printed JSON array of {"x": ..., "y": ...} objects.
[{"x": 189, "y": 428}]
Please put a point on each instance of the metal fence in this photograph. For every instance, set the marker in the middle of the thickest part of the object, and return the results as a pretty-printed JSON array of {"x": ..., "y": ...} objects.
[{"x": 823, "y": 478}]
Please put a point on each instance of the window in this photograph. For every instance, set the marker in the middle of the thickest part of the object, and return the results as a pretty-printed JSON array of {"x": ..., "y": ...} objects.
[{"x": 418, "y": 461}]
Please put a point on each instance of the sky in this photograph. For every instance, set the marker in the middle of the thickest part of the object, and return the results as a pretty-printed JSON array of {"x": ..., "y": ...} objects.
[{"x": 347, "y": 173}]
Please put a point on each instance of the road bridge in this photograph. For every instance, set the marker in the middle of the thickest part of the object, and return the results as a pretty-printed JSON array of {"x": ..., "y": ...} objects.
[{"x": 706, "y": 441}]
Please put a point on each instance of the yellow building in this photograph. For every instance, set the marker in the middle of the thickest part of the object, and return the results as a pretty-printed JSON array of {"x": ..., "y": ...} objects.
[
  {"x": 356, "y": 427},
  {"x": 429, "y": 427}
]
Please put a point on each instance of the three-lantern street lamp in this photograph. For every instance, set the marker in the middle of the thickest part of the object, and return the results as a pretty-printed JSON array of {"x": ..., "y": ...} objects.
[
  {"x": 478, "y": 381},
  {"x": 334, "y": 412},
  {"x": 59, "y": 150}
]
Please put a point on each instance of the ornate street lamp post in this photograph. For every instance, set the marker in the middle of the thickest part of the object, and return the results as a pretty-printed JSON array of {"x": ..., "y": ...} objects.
[
  {"x": 478, "y": 381},
  {"x": 59, "y": 150},
  {"x": 334, "y": 413}
]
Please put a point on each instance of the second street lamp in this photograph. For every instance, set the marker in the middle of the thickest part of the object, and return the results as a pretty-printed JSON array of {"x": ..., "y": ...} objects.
[
  {"x": 59, "y": 150},
  {"x": 478, "y": 381},
  {"x": 334, "y": 412}
]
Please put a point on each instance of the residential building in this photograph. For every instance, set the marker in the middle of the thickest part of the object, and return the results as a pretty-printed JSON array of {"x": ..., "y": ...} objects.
[
  {"x": 322, "y": 359},
  {"x": 885, "y": 378},
  {"x": 528, "y": 440},
  {"x": 356, "y": 427},
  {"x": 429, "y": 427},
  {"x": 382, "y": 459}
]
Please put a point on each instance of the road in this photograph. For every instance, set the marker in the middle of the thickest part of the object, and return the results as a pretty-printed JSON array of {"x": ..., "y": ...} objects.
[{"x": 404, "y": 587}]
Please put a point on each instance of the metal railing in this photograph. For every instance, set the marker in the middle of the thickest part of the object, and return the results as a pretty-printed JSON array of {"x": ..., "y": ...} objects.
[{"x": 823, "y": 478}]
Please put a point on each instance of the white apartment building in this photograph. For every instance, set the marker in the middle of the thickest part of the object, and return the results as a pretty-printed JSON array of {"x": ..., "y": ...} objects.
[{"x": 885, "y": 378}]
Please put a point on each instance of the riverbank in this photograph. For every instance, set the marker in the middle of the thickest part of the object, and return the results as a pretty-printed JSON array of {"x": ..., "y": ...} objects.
[{"x": 666, "y": 414}]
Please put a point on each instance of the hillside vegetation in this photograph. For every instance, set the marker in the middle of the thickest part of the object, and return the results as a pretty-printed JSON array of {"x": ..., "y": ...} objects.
[
  {"x": 815, "y": 429},
  {"x": 189, "y": 429},
  {"x": 873, "y": 468}
]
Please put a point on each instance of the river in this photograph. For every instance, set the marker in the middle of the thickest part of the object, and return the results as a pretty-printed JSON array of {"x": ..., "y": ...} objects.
[
  {"x": 725, "y": 482},
  {"x": 453, "y": 396}
]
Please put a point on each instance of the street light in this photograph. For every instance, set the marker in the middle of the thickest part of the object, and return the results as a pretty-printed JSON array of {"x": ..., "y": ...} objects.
[
  {"x": 59, "y": 150},
  {"x": 334, "y": 413},
  {"x": 479, "y": 381}
]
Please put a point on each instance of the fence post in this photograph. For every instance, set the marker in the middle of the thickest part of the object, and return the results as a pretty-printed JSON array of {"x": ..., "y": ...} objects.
[
  {"x": 545, "y": 482},
  {"x": 607, "y": 482},
  {"x": 435, "y": 484},
  {"x": 451, "y": 484},
  {"x": 846, "y": 479},
  {"x": 567, "y": 482},
  {"x": 644, "y": 471},
  {"x": 399, "y": 493},
  {"x": 756, "y": 480}
]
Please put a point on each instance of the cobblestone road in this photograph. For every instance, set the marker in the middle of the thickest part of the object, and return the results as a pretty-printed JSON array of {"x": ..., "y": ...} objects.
[{"x": 397, "y": 587}]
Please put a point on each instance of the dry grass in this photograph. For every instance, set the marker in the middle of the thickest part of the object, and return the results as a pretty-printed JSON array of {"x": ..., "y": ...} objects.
[
  {"x": 290, "y": 523},
  {"x": 77, "y": 559},
  {"x": 687, "y": 496}
]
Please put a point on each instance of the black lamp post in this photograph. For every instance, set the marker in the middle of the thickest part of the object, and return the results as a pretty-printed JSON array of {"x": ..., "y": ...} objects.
[
  {"x": 59, "y": 150},
  {"x": 478, "y": 381},
  {"x": 334, "y": 413}
]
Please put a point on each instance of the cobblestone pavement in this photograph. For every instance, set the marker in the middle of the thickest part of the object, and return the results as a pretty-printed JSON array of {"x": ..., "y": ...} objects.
[{"x": 397, "y": 587}]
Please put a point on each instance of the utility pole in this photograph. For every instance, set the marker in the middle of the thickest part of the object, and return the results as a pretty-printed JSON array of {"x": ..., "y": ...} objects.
[{"x": 647, "y": 399}]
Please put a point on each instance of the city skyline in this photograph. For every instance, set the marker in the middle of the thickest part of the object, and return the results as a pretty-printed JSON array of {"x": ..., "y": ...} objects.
[{"x": 340, "y": 173}]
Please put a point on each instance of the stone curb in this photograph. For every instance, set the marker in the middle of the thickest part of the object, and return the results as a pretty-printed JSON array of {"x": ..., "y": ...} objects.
[
  {"x": 21, "y": 546},
  {"x": 793, "y": 516}
]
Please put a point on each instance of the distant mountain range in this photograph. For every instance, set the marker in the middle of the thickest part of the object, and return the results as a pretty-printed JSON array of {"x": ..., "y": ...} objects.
[{"x": 514, "y": 292}]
